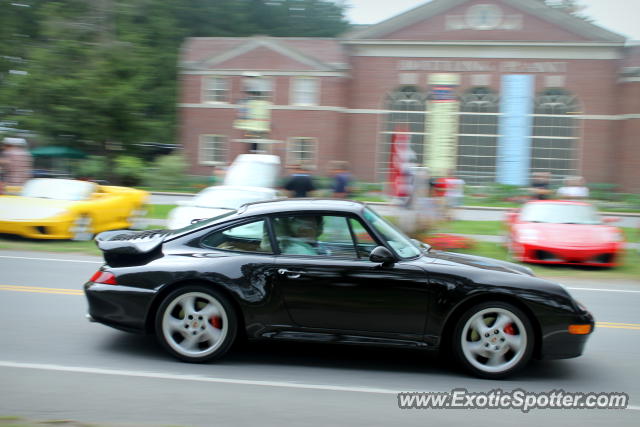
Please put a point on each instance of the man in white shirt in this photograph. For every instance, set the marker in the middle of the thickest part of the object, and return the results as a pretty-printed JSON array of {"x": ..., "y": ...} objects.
[{"x": 574, "y": 188}]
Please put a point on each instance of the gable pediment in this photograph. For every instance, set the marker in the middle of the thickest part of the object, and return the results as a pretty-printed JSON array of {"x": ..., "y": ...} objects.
[
  {"x": 255, "y": 53},
  {"x": 486, "y": 20}
]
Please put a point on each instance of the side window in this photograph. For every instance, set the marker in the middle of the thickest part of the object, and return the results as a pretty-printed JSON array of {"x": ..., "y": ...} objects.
[
  {"x": 252, "y": 237},
  {"x": 316, "y": 235},
  {"x": 364, "y": 241}
]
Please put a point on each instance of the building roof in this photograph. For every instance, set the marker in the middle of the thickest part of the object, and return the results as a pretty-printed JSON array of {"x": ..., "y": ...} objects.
[
  {"x": 317, "y": 53},
  {"x": 566, "y": 21}
]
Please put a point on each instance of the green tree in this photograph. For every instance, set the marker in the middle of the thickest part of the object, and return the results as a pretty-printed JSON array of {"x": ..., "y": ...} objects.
[{"x": 101, "y": 75}]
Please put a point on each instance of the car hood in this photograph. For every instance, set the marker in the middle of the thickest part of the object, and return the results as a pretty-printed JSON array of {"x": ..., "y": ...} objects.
[
  {"x": 18, "y": 208},
  {"x": 479, "y": 262},
  {"x": 182, "y": 216},
  {"x": 566, "y": 234}
]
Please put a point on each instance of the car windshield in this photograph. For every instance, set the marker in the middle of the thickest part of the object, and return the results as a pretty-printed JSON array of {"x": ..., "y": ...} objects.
[
  {"x": 58, "y": 189},
  {"x": 395, "y": 238},
  {"x": 560, "y": 213},
  {"x": 227, "y": 198}
]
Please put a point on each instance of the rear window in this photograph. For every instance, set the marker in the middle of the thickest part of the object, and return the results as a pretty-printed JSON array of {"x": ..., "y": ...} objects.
[{"x": 200, "y": 224}]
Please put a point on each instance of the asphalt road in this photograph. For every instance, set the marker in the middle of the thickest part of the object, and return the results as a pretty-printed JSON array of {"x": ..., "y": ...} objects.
[{"x": 56, "y": 365}]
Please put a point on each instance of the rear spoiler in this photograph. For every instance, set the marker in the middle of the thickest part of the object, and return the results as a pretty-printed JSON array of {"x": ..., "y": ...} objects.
[{"x": 126, "y": 247}]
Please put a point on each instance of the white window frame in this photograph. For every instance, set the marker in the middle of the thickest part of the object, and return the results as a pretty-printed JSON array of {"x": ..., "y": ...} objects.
[
  {"x": 270, "y": 94},
  {"x": 292, "y": 155},
  {"x": 296, "y": 91},
  {"x": 203, "y": 158},
  {"x": 210, "y": 95}
]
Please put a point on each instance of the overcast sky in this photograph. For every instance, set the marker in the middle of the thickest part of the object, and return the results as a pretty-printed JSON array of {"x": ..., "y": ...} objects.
[{"x": 620, "y": 16}]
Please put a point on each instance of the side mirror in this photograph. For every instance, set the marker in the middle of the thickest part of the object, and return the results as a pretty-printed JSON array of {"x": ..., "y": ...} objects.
[
  {"x": 610, "y": 219},
  {"x": 382, "y": 255},
  {"x": 421, "y": 245}
]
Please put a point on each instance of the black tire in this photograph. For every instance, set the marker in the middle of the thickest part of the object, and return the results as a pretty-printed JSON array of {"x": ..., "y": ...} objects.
[
  {"x": 206, "y": 335},
  {"x": 501, "y": 347}
]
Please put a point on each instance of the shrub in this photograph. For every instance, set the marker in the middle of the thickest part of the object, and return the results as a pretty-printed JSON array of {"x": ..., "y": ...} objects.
[
  {"x": 129, "y": 170},
  {"x": 167, "y": 172},
  {"x": 93, "y": 167}
]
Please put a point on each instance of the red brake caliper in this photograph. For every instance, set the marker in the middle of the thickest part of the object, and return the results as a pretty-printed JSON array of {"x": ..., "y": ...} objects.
[
  {"x": 216, "y": 322},
  {"x": 509, "y": 330}
]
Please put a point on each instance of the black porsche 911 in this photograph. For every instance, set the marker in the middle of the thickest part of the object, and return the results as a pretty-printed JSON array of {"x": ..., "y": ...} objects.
[{"x": 328, "y": 271}]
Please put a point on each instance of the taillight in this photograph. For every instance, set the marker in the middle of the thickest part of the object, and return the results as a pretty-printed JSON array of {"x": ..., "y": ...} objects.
[{"x": 104, "y": 277}]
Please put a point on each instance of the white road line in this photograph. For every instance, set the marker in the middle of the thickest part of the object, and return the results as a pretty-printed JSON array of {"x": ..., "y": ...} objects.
[
  {"x": 52, "y": 259},
  {"x": 604, "y": 290},
  {"x": 196, "y": 378},
  {"x": 199, "y": 378}
]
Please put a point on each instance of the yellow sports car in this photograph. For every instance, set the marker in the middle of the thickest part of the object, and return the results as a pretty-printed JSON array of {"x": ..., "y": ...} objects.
[{"x": 49, "y": 208}]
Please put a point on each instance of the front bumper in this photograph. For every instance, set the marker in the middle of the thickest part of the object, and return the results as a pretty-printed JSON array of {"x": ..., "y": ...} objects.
[
  {"x": 121, "y": 307},
  {"x": 597, "y": 256},
  {"x": 558, "y": 343},
  {"x": 38, "y": 229}
]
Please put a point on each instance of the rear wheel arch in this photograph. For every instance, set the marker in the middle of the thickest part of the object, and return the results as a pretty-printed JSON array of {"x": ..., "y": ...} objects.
[
  {"x": 446, "y": 332},
  {"x": 165, "y": 291}
]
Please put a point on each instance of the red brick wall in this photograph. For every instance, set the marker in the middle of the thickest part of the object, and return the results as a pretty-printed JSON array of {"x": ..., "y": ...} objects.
[
  {"x": 328, "y": 127},
  {"x": 627, "y": 161},
  {"x": 593, "y": 81}
]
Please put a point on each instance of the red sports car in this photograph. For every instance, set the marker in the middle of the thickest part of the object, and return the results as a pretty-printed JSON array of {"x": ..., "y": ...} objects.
[{"x": 563, "y": 232}]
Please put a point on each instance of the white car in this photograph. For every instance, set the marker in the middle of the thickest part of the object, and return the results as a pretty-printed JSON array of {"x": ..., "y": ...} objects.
[
  {"x": 214, "y": 201},
  {"x": 254, "y": 170}
]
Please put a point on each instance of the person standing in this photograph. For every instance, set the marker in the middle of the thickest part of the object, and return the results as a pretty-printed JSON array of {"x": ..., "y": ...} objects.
[
  {"x": 454, "y": 191},
  {"x": 574, "y": 188},
  {"x": 16, "y": 161},
  {"x": 300, "y": 183},
  {"x": 540, "y": 185},
  {"x": 341, "y": 179}
]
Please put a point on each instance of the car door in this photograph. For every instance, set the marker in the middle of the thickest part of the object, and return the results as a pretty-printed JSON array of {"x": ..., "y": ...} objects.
[{"x": 337, "y": 287}]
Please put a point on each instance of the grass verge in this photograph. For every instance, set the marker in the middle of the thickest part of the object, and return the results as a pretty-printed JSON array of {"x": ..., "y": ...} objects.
[
  {"x": 13, "y": 243},
  {"x": 159, "y": 211}
]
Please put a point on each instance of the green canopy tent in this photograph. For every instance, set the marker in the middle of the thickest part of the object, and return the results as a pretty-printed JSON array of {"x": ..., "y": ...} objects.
[
  {"x": 58, "y": 152},
  {"x": 55, "y": 160}
]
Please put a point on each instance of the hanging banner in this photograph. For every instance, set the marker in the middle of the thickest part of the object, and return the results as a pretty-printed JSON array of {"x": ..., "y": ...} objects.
[
  {"x": 514, "y": 144},
  {"x": 442, "y": 124},
  {"x": 401, "y": 160},
  {"x": 254, "y": 116}
]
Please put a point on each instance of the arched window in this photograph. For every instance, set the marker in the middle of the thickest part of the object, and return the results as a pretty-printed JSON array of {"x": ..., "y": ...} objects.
[
  {"x": 478, "y": 137},
  {"x": 554, "y": 144},
  {"x": 406, "y": 110}
]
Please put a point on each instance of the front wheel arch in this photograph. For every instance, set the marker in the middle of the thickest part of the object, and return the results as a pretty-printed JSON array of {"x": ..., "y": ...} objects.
[{"x": 447, "y": 330}]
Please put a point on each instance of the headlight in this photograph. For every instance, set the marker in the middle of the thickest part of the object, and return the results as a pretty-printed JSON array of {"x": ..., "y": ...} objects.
[
  {"x": 616, "y": 236},
  {"x": 528, "y": 235}
]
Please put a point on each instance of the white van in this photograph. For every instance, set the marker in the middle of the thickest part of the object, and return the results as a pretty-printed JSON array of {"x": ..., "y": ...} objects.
[{"x": 253, "y": 170}]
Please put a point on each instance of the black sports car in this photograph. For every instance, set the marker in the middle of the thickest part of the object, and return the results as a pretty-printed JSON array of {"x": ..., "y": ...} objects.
[{"x": 328, "y": 271}]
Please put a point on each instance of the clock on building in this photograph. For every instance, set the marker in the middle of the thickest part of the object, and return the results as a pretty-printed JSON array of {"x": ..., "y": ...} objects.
[{"x": 484, "y": 16}]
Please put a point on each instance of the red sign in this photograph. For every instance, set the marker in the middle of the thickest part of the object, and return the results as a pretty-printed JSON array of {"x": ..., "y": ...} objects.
[{"x": 401, "y": 158}]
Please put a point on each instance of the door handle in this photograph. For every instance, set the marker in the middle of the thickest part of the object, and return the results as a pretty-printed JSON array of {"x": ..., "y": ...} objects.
[{"x": 290, "y": 274}]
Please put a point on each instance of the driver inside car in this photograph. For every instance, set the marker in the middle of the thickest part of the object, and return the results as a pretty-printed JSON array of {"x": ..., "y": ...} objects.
[{"x": 300, "y": 235}]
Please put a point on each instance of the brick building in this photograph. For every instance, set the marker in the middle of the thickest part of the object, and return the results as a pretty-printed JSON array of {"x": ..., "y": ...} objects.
[{"x": 495, "y": 89}]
